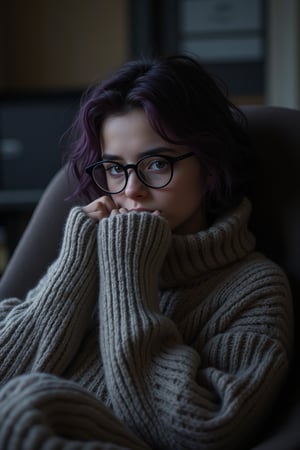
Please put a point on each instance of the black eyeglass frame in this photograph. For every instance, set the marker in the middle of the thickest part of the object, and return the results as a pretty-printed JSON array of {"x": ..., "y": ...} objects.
[{"x": 171, "y": 159}]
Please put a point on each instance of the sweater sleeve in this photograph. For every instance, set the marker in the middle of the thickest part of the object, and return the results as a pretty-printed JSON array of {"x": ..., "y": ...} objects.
[
  {"x": 43, "y": 331},
  {"x": 209, "y": 392},
  {"x": 44, "y": 412}
]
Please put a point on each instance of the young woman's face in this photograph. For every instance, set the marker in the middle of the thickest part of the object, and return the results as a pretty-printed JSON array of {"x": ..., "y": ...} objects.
[{"x": 127, "y": 138}]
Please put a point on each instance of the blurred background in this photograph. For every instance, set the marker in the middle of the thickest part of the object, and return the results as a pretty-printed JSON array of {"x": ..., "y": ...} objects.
[{"x": 52, "y": 50}]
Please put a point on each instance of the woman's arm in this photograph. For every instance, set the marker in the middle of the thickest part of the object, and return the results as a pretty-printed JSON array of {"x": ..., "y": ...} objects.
[
  {"x": 44, "y": 412},
  {"x": 208, "y": 394},
  {"x": 43, "y": 331}
]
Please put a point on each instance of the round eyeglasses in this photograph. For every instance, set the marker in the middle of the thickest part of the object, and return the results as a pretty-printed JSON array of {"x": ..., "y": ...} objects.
[{"x": 154, "y": 171}]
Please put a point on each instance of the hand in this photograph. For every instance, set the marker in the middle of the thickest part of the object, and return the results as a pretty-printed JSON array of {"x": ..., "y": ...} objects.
[{"x": 103, "y": 207}]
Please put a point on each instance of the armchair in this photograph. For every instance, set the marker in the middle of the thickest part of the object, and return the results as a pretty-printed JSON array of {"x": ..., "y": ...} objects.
[{"x": 275, "y": 195}]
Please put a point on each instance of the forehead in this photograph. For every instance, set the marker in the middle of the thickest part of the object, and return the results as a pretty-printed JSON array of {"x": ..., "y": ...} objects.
[
  {"x": 131, "y": 128},
  {"x": 129, "y": 136}
]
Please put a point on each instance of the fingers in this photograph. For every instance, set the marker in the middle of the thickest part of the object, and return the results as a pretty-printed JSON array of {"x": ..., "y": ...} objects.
[
  {"x": 99, "y": 208},
  {"x": 103, "y": 207},
  {"x": 156, "y": 213},
  {"x": 118, "y": 211}
]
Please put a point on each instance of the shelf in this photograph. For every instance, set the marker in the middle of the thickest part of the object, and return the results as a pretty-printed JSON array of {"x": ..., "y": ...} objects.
[{"x": 19, "y": 199}]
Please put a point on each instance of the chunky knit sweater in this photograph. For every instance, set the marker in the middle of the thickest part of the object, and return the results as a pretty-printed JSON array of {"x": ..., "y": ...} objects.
[{"x": 139, "y": 339}]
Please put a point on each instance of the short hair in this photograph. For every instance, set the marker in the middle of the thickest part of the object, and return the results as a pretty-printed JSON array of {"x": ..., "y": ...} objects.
[{"x": 185, "y": 105}]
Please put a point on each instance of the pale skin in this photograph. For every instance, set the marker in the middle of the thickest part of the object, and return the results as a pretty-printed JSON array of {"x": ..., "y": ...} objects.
[{"x": 124, "y": 139}]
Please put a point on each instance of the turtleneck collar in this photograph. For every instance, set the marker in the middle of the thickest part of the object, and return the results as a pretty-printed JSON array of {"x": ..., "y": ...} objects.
[{"x": 225, "y": 242}]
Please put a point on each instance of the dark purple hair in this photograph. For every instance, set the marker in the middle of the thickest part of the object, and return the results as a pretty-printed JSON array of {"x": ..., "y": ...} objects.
[{"x": 184, "y": 105}]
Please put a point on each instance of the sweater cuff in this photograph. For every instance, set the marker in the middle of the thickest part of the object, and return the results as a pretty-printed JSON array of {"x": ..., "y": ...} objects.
[
  {"x": 79, "y": 233},
  {"x": 134, "y": 241}
]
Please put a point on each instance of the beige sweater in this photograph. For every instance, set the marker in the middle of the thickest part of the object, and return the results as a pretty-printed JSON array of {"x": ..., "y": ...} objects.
[{"x": 136, "y": 338}]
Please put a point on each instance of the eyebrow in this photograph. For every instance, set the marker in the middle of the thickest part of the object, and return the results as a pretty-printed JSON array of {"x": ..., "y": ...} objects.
[{"x": 149, "y": 152}]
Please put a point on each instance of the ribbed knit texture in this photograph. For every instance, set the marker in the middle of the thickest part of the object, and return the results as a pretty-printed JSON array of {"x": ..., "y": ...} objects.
[{"x": 136, "y": 338}]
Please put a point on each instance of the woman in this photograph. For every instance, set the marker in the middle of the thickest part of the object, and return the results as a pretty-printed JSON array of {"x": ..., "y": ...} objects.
[{"x": 158, "y": 326}]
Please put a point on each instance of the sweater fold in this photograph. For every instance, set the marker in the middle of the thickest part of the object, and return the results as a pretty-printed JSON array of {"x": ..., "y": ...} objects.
[{"x": 54, "y": 414}]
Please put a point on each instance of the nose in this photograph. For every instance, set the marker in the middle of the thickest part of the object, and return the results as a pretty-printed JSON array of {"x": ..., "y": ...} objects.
[{"x": 134, "y": 187}]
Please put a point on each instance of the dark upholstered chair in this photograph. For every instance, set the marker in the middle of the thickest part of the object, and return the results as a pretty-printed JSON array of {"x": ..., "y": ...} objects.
[{"x": 275, "y": 196}]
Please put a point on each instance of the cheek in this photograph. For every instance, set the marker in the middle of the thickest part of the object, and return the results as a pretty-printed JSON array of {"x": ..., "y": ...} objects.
[
  {"x": 192, "y": 188},
  {"x": 186, "y": 199},
  {"x": 191, "y": 197},
  {"x": 117, "y": 199}
]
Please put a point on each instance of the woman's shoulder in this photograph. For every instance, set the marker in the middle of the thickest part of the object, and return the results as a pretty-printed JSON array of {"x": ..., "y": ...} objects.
[
  {"x": 258, "y": 275},
  {"x": 260, "y": 285},
  {"x": 262, "y": 266}
]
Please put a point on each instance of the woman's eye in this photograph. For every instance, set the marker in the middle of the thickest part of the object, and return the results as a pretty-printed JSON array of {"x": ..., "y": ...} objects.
[
  {"x": 113, "y": 169},
  {"x": 158, "y": 164}
]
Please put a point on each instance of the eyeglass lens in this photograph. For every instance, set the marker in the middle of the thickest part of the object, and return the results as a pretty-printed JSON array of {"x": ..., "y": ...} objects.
[{"x": 154, "y": 171}]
